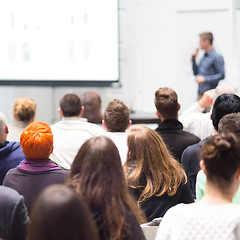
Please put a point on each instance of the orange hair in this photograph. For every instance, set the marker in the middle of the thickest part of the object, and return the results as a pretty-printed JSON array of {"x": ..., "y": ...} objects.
[{"x": 37, "y": 140}]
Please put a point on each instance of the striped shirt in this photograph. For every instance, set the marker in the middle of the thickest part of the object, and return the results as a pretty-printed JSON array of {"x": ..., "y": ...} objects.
[{"x": 211, "y": 67}]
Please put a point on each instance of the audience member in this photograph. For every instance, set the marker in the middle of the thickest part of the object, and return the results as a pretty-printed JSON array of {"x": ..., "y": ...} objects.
[
  {"x": 170, "y": 129},
  {"x": 58, "y": 214},
  {"x": 97, "y": 176},
  {"x": 157, "y": 181},
  {"x": 92, "y": 107},
  {"x": 224, "y": 104},
  {"x": 116, "y": 122},
  {"x": 214, "y": 216},
  {"x": 37, "y": 171},
  {"x": 72, "y": 131},
  {"x": 24, "y": 110},
  {"x": 13, "y": 215},
  {"x": 197, "y": 122},
  {"x": 228, "y": 123},
  {"x": 10, "y": 152}
]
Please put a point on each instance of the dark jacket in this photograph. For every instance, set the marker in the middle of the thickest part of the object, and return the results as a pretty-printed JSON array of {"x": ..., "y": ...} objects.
[
  {"x": 13, "y": 215},
  {"x": 175, "y": 138},
  {"x": 190, "y": 162},
  {"x": 10, "y": 156},
  {"x": 30, "y": 182},
  {"x": 156, "y": 207}
]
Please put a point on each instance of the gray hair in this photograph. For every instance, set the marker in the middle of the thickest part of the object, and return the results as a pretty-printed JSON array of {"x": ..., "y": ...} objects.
[{"x": 222, "y": 89}]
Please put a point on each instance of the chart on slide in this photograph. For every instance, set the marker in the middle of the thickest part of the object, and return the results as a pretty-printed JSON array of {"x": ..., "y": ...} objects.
[{"x": 59, "y": 40}]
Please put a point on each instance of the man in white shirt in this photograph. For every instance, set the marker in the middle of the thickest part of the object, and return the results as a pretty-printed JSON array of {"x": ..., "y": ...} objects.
[
  {"x": 116, "y": 122},
  {"x": 71, "y": 131}
]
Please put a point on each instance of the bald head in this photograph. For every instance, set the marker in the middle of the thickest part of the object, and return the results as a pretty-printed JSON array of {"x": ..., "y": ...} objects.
[{"x": 3, "y": 128}]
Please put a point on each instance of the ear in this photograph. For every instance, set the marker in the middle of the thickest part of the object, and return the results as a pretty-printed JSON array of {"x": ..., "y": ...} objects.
[
  {"x": 179, "y": 106},
  {"x": 159, "y": 115},
  {"x": 129, "y": 124},
  {"x": 60, "y": 112},
  {"x": 238, "y": 174},
  {"x": 203, "y": 167},
  {"x": 6, "y": 129},
  {"x": 82, "y": 111},
  {"x": 52, "y": 150},
  {"x": 104, "y": 125},
  {"x": 211, "y": 116}
]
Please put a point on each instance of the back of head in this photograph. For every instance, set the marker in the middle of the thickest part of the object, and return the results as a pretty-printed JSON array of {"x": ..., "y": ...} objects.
[
  {"x": 37, "y": 140},
  {"x": 58, "y": 214},
  {"x": 97, "y": 176},
  {"x": 230, "y": 123},
  {"x": 116, "y": 116},
  {"x": 223, "y": 105},
  {"x": 221, "y": 155},
  {"x": 24, "y": 109},
  {"x": 207, "y": 36},
  {"x": 166, "y": 102},
  {"x": 3, "y": 123},
  {"x": 70, "y": 105},
  {"x": 154, "y": 167},
  {"x": 92, "y": 107}
]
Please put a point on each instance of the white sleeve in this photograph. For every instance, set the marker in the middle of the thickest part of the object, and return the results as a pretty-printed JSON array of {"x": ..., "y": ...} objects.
[{"x": 195, "y": 108}]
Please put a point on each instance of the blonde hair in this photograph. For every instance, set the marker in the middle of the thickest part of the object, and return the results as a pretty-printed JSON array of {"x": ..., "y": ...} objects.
[
  {"x": 149, "y": 166},
  {"x": 24, "y": 109}
]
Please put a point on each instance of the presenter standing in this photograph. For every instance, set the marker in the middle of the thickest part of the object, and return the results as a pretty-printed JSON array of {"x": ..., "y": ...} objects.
[{"x": 210, "y": 70}]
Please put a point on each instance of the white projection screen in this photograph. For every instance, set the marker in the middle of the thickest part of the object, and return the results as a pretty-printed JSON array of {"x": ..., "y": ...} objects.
[{"x": 59, "y": 42}]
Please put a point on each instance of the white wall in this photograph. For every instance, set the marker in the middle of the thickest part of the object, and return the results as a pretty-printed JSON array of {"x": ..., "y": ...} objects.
[{"x": 156, "y": 41}]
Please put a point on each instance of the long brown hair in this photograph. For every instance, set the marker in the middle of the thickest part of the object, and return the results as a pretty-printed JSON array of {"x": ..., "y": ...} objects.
[
  {"x": 149, "y": 166},
  {"x": 97, "y": 176}
]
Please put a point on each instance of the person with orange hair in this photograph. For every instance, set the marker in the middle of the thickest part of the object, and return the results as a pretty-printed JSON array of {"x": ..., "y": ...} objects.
[{"x": 37, "y": 171}]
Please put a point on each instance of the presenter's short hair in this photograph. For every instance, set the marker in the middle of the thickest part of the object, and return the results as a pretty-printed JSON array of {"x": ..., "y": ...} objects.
[
  {"x": 70, "y": 105},
  {"x": 207, "y": 36}
]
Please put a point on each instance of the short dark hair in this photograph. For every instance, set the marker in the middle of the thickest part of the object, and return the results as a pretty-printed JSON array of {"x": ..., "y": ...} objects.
[
  {"x": 224, "y": 104},
  {"x": 116, "y": 116},
  {"x": 221, "y": 155},
  {"x": 166, "y": 102},
  {"x": 70, "y": 105},
  {"x": 230, "y": 123},
  {"x": 207, "y": 36}
]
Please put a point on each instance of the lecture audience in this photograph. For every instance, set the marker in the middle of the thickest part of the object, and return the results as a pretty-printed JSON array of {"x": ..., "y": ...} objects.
[
  {"x": 59, "y": 214},
  {"x": 37, "y": 171},
  {"x": 228, "y": 123},
  {"x": 156, "y": 180},
  {"x": 116, "y": 122},
  {"x": 13, "y": 215},
  {"x": 214, "y": 216},
  {"x": 170, "y": 129},
  {"x": 92, "y": 107},
  {"x": 223, "y": 105},
  {"x": 24, "y": 110},
  {"x": 97, "y": 176},
  {"x": 71, "y": 131},
  {"x": 10, "y": 152}
]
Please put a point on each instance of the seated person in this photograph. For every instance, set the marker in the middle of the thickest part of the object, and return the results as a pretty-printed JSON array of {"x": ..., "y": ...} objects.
[
  {"x": 71, "y": 131},
  {"x": 223, "y": 105},
  {"x": 116, "y": 122},
  {"x": 24, "y": 110},
  {"x": 156, "y": 180},
  {"x": 197, "y": 122},
  {"x": 228, "y": 123},
  {"x": 13, "y": 215},
  {"x": 10, "y": 152},
  {"x": 92, "y": 107},
  {"x": 170, "y": 129},
  {"x": 214, "y": 216},
  {"x": 58, "y": 214},
  {"x": 97, "y": 176},
  {"x": 37, "y": 171}
]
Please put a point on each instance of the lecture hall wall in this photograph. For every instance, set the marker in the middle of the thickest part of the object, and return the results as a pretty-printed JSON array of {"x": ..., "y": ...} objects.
[{"x": 156, "y": 41}]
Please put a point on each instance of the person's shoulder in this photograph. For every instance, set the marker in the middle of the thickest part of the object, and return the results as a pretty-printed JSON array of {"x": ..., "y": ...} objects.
[{"x": 9, "y": 194}]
